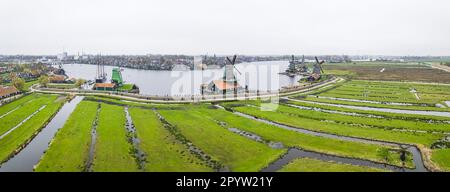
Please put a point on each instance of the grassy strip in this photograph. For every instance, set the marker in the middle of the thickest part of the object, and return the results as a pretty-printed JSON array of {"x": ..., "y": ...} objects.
[
  {"x": 126, "y": 87},
  {"x": 17, "y": 116},
  {"x": 237, "y": 153},
  {"x": 391, "y": 92},
  {"x": 377, "y": 153},
  {"x": 69, "y": 150},
  {"x": 339, "y": 129},
  {"x": 386, "y": 115},
  {"x": 30, "y": 83},
  {"x": 442, "y": 158},
  {"x": 61, "y": 85},
  {"x": 314, "y": 165},
  {"x": 112, "y": 150},
  {"x": 419, "y": 108},
  {"x": 164, "y": 152},
  {"x": 376, "y": 122},
  {"x": 20, "y": 136},
  {"x": 138, "y": 104},
  {"x": 16, "y": 103}
]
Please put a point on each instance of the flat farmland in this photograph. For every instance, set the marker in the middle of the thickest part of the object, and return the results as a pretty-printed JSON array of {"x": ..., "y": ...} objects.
[
  {"x": 69, "y": 150},
  {"x": 393, "y": 73},
  {"x": 220, "y": 144}
]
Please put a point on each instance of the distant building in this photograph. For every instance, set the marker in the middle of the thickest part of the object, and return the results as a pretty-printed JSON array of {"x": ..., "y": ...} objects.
[
  {"x": 8, "y": 91},
  {"x": 62, "y": 56}
]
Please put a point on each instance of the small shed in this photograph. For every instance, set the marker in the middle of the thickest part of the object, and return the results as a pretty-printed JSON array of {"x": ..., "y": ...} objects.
[{"x": 105, "y": 86}]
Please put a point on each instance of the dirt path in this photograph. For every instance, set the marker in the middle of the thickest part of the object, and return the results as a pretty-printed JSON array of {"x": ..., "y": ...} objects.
[{"x": 441, "y": 67}]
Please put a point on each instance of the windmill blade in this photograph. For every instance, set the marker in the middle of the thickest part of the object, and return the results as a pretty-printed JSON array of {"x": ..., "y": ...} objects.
[
  {"x": 317, "y": 60},
  {"x": 229, "y": 60},
  {"x": 234, "y": 59},
  {"x": 321, "y": 69},
  {"x": 322, "y": 62},
  {"x": 237, "y": 70}
]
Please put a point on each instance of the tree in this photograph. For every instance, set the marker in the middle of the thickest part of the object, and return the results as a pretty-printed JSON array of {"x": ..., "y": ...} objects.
[
  {"x": 19, "y": 83},
  {"x": 80, "y": 82},
  {"x": 44, "y": 80}
]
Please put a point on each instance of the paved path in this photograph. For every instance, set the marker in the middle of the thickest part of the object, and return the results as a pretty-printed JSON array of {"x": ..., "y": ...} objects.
[{"x": 198, "y": 99}]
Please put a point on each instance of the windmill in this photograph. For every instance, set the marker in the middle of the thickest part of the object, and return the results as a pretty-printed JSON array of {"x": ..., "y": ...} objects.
[
  {"x": 292, "y": 65},
  {"x": 296, "y": 66},
  {"x": 303, "y": 67},
  {"x": 317, "y": 71},
  {"x": 228, "y": 82},
  {"x": 318, "y": 66},
  {"x": 229, "y": 76}
]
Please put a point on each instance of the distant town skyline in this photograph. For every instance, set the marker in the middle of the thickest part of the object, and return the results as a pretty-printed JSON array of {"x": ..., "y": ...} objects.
[{"x": 225, "y": 27}]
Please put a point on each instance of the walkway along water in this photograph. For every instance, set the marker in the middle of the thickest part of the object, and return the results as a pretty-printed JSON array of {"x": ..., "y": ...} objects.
[
  {"x": 417, "y": 157},
  {"x": 25, "y": 160}
]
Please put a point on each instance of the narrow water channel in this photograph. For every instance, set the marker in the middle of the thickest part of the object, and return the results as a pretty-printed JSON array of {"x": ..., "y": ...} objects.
[
  {"x": 417, "y": 157},
  {"x": 25, "y": 160},
  {"x": 139, "y": 155},
  {"x": 294, "y": 153},
  {"x": 89, "y": 163}
]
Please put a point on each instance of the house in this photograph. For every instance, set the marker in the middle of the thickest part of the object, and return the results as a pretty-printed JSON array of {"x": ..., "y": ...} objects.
[
  {"x": 105, "y": 86},
  {"x": 8, "y": 91},
  {"x": 57, "y": 79},
  {"x": 314, "y": 77},
  {"x": 221, "y": 86}
]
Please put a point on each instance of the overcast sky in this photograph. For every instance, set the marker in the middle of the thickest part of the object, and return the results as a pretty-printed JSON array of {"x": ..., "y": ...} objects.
[{"x": 389, "y": 27}]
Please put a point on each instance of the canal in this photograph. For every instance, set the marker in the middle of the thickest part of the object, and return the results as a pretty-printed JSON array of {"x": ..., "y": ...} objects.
[{"x": 27, "y": 158}]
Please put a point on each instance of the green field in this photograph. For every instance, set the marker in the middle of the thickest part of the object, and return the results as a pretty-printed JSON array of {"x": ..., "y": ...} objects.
[
  {"x": 22, "y": 134},
  {"x": 164, "y": 152},
  {"x": 367, "y": 121},
  {"x": 220, "y": 144},
  {"x": 202, "y": 137},
  {"x": 290, "y": 138},
  {"x": 342, "y": 129},
  {"x": 14, "y": 118},
  {"x": 427, "y": 95},
  {"x": 314, "y": 165},
  {"x": 385, "y": 115},
  {"x": 70, "y": 147},
  {"x": 112, "y": 150},
  {"x": 61, "y": 85},
  {"x": 442, "y": 158},
  {"x": 4, "y": 109}
]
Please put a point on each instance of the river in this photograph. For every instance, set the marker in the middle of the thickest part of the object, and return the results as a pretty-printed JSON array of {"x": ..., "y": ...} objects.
[{"x": 262, "y": 76}]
